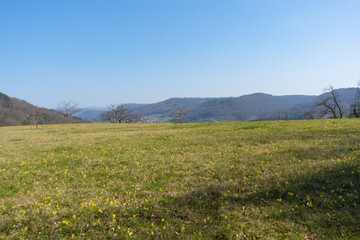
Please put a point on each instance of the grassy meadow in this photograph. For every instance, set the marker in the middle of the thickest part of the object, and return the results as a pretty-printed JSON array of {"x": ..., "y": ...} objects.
[{"x": 273, "y": 180}]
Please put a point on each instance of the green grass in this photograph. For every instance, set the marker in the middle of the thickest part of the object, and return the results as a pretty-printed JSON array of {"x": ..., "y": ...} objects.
[{"x": 273, "y": 180}]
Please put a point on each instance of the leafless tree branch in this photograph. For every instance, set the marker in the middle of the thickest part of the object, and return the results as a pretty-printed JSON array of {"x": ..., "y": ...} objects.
[
  {"x": 69, "y": 108},
  {"x": 329, "y": 104}
]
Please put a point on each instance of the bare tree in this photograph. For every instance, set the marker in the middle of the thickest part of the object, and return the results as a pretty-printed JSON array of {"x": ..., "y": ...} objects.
[
  {"x": 120, "y": 114},
  {"x": 69, "y": 108},
  {"x": 329, "y": 104},
  {"x": 309, "y": 114},
  {"x": 109, "y": 116}
]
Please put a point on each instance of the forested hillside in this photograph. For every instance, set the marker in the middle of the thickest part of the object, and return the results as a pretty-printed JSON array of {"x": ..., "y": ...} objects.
[
  {"x": 346, "y": 97},
  {"x": 244, "y": 108},
  {"x": 15, "y": 112}
]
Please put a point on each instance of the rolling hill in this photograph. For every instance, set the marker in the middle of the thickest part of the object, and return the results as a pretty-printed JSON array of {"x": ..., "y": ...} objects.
[
  {"x": 244, "y": 108},
  {"x": 91, "y": 113},
  {"x": 252, "y": 107},
  {"x": 345, "y": 95},
  {"x": 161, "y": 110},
  {"x": 15, "y": 112},
  {"x": 164, "y": 108}
]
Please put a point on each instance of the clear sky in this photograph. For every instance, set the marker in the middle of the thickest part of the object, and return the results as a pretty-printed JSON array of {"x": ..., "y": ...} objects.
[{"x": 138, "y": 51}]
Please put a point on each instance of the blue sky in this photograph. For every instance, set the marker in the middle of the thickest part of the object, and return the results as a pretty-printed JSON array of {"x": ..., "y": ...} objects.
[{"x": 98, "y": 53}]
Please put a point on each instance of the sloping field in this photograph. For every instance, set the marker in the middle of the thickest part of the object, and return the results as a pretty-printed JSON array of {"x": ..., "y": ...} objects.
[{"x": 273, "y": 180}]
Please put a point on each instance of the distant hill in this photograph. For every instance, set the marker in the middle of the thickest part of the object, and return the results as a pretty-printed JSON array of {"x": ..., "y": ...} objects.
[
  {"x": 91, "y": 113},
  {"x": 301, "y": 97},
  {"x": 15, "y": 112},
  {"x": 345, "y": 96},
  {"x": 161, "y": 111},
  {"x": 134, "y": 105},
  {"x": 253, "y": 107},
  {"x": 164, "y": 109},
  {"x": 244, "y": 108},
  {"x": 94, "y": 114}
]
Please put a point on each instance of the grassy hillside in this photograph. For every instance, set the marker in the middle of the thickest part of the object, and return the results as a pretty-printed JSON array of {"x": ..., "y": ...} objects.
[{"x": 285, "y": 179}]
